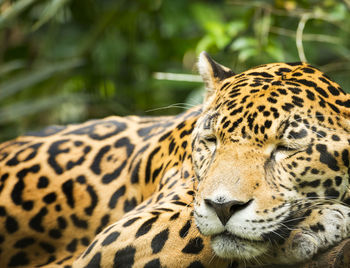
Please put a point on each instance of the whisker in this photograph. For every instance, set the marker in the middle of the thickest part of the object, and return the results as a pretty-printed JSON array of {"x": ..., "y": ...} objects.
[
  {"x": 277, "y": 234},
  {"x": 321, "y": 199},
  {"x": 182, "y": 105}
]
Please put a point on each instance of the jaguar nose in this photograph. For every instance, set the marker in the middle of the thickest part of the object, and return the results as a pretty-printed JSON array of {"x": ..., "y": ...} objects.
[{"x": 224, "y": 210}]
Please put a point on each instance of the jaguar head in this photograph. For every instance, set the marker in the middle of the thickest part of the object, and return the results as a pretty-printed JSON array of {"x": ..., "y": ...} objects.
[{"x": 270, "y": 148}]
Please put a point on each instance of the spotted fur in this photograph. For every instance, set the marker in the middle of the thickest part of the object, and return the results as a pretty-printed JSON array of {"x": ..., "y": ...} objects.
[{"x": 258, "y": 174}]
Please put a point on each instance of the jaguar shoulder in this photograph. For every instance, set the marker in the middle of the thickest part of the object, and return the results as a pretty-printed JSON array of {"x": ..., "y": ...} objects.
[{"x": 258, "y": 174}]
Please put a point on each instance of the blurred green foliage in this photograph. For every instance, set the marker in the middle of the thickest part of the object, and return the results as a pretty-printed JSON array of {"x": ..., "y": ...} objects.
[{"x": 64, "y": 61}]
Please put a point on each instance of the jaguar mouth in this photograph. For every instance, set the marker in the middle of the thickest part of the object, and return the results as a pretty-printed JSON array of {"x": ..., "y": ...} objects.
[
  {"x": 230, "y": 246},
  {"x": 237, "y": 238}
]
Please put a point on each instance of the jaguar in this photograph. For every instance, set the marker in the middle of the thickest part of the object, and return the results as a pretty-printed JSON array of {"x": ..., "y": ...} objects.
[{"x": 256, "y": 175}]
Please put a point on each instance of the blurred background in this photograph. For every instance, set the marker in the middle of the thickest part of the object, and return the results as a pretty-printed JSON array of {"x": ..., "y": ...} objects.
[{"x": 66, "y": 61}]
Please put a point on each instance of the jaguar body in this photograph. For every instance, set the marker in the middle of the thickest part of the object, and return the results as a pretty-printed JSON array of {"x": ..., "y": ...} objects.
[{"x": 258, "y": 174}]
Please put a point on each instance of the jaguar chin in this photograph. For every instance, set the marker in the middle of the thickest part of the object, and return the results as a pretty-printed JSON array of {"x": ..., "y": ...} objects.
[{"x": 230, "y": 246}]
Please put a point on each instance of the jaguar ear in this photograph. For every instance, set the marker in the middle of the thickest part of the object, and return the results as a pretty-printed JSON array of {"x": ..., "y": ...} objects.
[{"x": 212, "y": 73}]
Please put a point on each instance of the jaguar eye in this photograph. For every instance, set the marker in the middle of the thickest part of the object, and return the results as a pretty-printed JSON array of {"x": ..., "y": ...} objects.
[
  {"x": 210, "y": 139},
  {"x": 284, "y": 148},
  {"x": 282, "y": 152}
]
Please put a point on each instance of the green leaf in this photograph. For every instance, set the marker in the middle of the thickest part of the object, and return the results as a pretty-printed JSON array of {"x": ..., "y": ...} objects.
[
  {"x": 29, "y": 78},
  {"x": 218, "y": 33},
  {"x": 206, "y": 13},
  {"x": 107, "y": 89},
  {"x": 276, "y": 52},
  {"x": 235, "y": 27},
  {"x": 204, "y": 44},
  {"x": 52, "y": 8},
  {"x": 11, "y": 66},
  {"x": 261, "y": 28},
  {"x": 244, "y": 42},
  {"x": 28, "y": 107},
  {"x": 14, "y": 10},
  {"x": 338, "y": 13},
  {"x": 247, "y": 53}
]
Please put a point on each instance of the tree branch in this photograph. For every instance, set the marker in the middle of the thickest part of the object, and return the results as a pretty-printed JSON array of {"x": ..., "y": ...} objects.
[
  {"x": 306, "y": 37},
  {"x": 299, "y": 36},
  {"x": 347, "y": 3}
]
